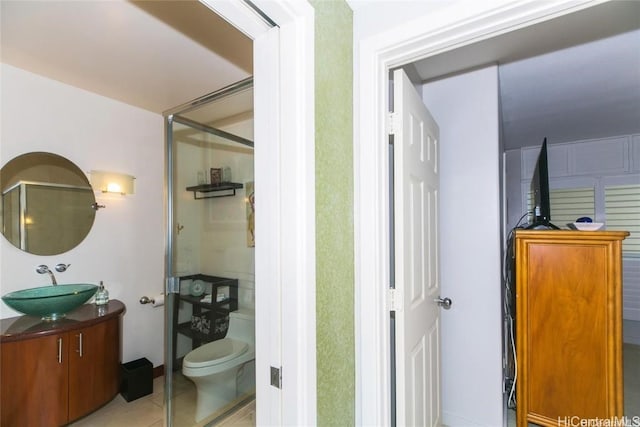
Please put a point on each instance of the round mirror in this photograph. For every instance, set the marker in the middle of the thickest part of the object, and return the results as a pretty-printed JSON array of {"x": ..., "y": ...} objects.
[{"x": 46, "y": 203}]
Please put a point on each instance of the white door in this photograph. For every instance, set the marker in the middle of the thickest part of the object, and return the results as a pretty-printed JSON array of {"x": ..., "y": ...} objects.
[{"x": 416, "y": 247}]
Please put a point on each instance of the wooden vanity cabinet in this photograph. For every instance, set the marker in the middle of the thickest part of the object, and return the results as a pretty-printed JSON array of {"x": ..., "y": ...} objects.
[
  {"x": 34, "y": 383},
  {"x": 56, "y": 372},
  {"x": 94, "y": 367},
  {"x": 568, "y": 326}
]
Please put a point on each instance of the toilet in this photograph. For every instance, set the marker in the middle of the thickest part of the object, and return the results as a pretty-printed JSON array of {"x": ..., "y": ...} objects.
[{"x": 214, "y": 366}]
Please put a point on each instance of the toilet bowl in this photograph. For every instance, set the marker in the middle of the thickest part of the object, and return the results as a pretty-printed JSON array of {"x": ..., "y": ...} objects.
[{"x": 214, "y": 367}]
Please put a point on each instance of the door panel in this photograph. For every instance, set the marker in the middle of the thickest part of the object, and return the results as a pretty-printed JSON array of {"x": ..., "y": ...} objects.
[
  {"x": 416, "y": 185},
  {"x": 94, "y": 362},
  {"x": 34, "y": 384}
]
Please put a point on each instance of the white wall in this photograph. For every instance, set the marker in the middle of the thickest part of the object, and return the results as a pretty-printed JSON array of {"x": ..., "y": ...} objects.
[
  {"x": 513, "y": 188},
  {"x": 466, "y": 109},
  {"x": 631, "y": 331},
  {"x": 125, "y": 245},
  {"x": 224, "y": 244},
  {"x": 372, "y": 17}
]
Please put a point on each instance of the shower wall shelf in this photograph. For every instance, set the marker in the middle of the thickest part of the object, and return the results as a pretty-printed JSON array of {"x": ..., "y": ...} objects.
[{"x": 206, "y": 189}]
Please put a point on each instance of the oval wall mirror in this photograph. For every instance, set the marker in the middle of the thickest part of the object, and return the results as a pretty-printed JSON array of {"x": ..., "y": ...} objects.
[{"x": 46, "y": 203}]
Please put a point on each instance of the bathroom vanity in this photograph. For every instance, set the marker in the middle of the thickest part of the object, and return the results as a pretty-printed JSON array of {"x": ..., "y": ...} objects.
[{"x": 54, "y": 372}]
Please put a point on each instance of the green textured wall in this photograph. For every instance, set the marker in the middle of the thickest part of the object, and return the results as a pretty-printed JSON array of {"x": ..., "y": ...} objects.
[{"x": 334, "y": 212}]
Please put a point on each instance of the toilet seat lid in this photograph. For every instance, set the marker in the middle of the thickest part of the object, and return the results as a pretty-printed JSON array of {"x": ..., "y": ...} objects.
[{"x": 214, "y": 353}]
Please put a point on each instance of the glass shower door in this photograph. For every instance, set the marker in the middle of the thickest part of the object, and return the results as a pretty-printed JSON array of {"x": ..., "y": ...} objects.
[{"x": 210, "y": 255}]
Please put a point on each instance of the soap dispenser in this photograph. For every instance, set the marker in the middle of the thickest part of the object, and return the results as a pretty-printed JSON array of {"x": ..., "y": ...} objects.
[{"x": 102, "y": 296}]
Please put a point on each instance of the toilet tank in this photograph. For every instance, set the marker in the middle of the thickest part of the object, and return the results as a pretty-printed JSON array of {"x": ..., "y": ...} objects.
[{"x": 242, "y": 325}]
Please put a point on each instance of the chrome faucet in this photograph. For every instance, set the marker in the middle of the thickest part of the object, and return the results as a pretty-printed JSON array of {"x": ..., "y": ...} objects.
[
  {"x": 42, "y": 269},
  {"x": 61, "y": 268}
]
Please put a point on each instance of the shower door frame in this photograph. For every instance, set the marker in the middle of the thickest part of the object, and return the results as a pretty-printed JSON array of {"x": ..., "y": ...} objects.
[
  {"x": 172, "y": 117},
  {"x": 285, "y": 228}
]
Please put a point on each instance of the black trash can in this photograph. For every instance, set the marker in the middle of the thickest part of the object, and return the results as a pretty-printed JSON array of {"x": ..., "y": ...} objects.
[{"x": 137, "y": 379}]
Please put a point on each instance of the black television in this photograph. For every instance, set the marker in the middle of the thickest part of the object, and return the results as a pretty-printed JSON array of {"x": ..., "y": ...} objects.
[{"x": 541, "y": 219}]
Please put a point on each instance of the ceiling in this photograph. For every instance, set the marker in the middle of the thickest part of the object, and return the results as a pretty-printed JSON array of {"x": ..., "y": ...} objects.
[
  {"x": 574, "y": 77},
  {"x": 155, "y": 55},
  {"x": 571, "y": 78}
]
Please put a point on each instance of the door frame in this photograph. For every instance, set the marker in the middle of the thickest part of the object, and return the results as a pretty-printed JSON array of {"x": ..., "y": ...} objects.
[
  {"x": 285, "y": 182},
  {"x": 449, "y": 28}
]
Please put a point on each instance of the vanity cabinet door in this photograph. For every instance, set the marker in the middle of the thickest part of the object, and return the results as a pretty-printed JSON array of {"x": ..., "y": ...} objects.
[
  {"x": 94, "y": 367},
  {"x": 34, "y": 384}
]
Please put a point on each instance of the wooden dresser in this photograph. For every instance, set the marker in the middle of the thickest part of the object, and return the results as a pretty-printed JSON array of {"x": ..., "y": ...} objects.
[
  {"x": 55, "y": 372},
  {"x": 568, "y": 326}
]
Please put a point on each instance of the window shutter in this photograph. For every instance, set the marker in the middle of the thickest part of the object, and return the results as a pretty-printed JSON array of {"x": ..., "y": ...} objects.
[
  {"x": 569, "y": 204},
  {"x": 622, "y": 209}
]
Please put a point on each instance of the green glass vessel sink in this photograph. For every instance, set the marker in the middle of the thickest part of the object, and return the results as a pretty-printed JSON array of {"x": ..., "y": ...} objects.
[{"x": 50, "y": 302}]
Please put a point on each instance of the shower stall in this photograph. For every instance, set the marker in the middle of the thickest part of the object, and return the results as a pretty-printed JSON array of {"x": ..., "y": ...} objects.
[{"x": 210, "y": 259}]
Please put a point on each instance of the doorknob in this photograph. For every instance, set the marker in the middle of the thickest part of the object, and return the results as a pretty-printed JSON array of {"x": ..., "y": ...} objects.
[{"x": 444, "y": 302}]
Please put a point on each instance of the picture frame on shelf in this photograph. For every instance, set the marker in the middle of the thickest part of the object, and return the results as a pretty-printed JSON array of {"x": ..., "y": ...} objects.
[{"x": 216, "y": 176}]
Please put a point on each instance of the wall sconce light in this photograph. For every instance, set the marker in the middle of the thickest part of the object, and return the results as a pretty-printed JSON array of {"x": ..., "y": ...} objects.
[{"x": 111, "y": 182}]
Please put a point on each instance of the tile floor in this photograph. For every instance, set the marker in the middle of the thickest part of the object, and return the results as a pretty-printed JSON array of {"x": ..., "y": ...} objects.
[{"x": 148, "y": 411}]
